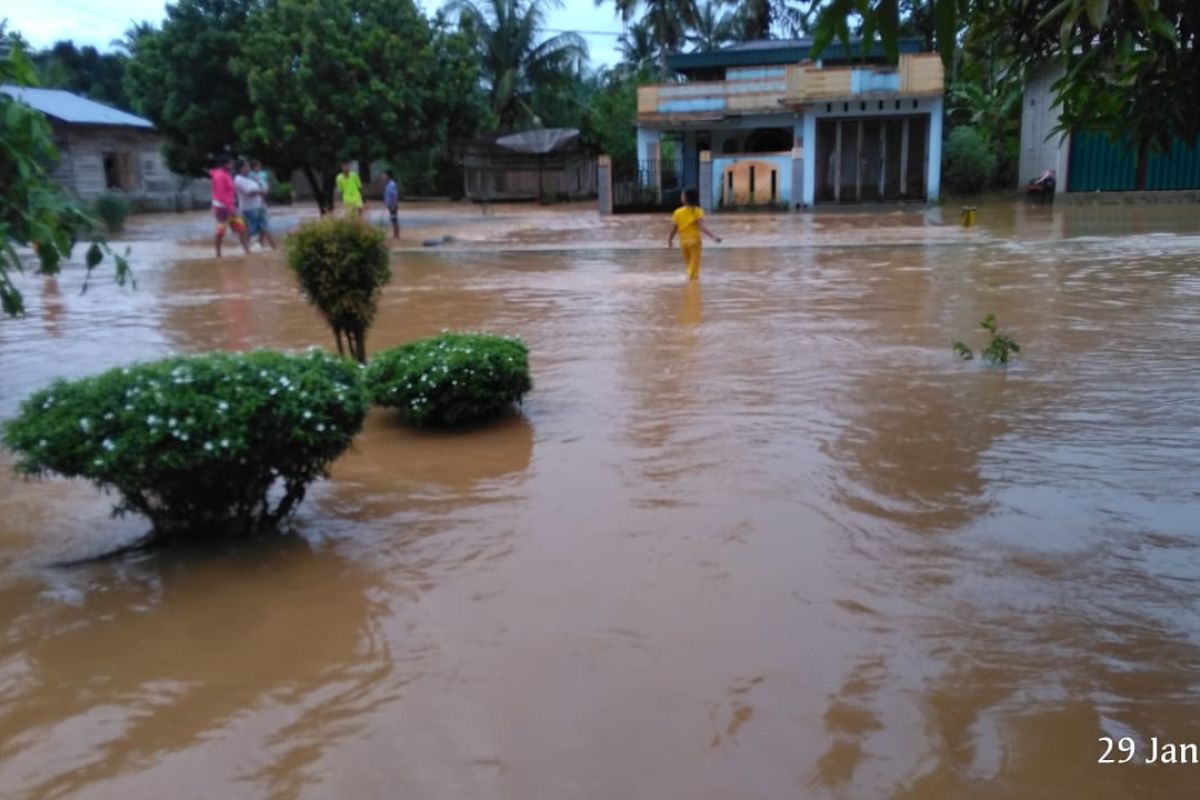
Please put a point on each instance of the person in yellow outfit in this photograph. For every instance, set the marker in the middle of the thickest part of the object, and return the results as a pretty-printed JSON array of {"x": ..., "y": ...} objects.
[
  {"x": 688, "y": 222},
  {"x": 349, "y": 186}
]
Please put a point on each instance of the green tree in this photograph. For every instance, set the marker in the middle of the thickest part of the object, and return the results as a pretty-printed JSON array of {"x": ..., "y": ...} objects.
[
  {"x": 759, "y": 19},
  {"x": 639, "y": 53},
  {"x": 85, "y": 71},
  {"x": 667, "y": 21},
  {"x": 714, "y": 26},
  {"x": 34, "y": 212},
  {"x": 182, "y": 79},
  {"x": 515, "y": 59},
  {"x": 331, "y": 80},
  {"x": 610, "y": 123}
]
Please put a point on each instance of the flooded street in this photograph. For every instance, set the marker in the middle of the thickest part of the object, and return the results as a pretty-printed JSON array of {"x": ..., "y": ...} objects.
[{"x": 762, "y": 537}]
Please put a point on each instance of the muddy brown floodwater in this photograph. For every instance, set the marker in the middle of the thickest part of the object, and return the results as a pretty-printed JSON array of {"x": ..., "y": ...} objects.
[{"x": 758, "y": 538}]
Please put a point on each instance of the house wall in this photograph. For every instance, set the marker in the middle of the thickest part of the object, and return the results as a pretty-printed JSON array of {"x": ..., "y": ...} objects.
[
  {"x": 1040, "y": 149},
  {"x": 142, "y": 170}
]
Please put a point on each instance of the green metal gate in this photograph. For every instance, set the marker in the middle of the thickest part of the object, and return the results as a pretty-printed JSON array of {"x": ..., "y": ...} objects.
[{"x": 1099, "y": 164}]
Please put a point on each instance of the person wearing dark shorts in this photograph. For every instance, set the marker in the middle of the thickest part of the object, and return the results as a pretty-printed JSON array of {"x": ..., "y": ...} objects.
[
  {"x": 224, "y": 204},
  {"x": 391, "y": 199},
  {"x": 252, "y": 204}
]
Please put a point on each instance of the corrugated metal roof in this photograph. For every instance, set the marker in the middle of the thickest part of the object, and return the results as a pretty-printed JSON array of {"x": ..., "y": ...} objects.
[{"x": 74, "y": 109}]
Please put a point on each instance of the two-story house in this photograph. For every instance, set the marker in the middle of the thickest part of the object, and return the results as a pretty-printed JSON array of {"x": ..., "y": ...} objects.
[{"x": 765, "y": 124}]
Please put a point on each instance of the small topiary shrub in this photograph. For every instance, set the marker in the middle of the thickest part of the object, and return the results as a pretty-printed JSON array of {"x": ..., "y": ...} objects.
[
  {"x": 196, "y": 443},
  {"x": 451, "y": 378},
  {"x": 342, "y": 266},
  {"x": 112, "y": 208},
  {"x": 969, "y": 161}
]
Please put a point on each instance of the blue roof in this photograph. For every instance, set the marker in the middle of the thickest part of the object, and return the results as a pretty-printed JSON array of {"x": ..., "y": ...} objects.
[{"x": 72, "y": 108}]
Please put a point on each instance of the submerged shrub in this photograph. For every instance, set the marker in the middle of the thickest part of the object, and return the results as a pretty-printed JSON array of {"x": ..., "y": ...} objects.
[
  {"x": 451, "y": 378},
  {"x": 1000, "y": 347},
  {"x": 342, "y": 266},
  {"x": 969, "y": 161},
  {"x": 196, "y": 443},
  {"x": 112, "y": 208}
]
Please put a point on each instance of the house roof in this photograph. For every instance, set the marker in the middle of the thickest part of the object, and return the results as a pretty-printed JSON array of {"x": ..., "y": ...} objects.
[
  {"x": 73, "y": 109},
  {"x": 767, "y": 52}
]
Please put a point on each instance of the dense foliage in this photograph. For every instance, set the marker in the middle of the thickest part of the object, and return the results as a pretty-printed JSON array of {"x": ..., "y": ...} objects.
[
  {"x": 969, "y": 162},
  {"x": 515, "y": 58},
  {"x": 34, "y": 212},
  {"x": 342, "y": 266},
  {"x": 196, "y": 443},
  {"x": 112, "y": 208},
  {"x": 450, "y": 379},
  {"x": 331, "y": 80},
  {"x": 182, "y": 78}
]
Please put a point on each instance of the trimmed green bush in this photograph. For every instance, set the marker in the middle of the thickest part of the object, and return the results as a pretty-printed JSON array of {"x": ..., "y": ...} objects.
[
  {"x": 112, "y": 208},
  {"x": 969, "y": 161},
  {"x": 451, "y": 378},
  {"x": 196, "y": 443},
  {"x": 342, "y": 266}
]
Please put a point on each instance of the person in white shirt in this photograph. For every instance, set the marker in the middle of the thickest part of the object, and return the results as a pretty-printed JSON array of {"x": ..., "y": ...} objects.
[{"x": 252, "y": 205}]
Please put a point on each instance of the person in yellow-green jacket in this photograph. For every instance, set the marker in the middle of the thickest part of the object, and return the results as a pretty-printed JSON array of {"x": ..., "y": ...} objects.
[
  {"x": 688, "y": 222},
  {"x": 349, "y": 186}
]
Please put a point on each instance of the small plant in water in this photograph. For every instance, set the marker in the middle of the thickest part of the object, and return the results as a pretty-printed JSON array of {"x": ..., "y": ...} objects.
[
  {"x": 451, "y": 378},
  {"x": 342, "y": 266},
  {"x": 1000, "y": 347},
  {"x": 196, "y": 444}
]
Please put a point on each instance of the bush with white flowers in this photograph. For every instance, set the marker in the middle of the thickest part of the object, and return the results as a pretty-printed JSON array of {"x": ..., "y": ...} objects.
[
  {"x": 197, "y": 444},
  {"x": 450, "y": 379}
]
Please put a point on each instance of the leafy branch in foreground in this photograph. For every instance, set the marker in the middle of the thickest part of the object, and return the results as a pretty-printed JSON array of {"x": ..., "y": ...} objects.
[
  {"x": 1000, "y": 347},
  {"x": 34, "y": 212}
]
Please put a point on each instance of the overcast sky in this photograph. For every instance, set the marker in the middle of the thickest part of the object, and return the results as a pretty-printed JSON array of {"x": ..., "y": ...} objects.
[{"x": 98, "y": 22}]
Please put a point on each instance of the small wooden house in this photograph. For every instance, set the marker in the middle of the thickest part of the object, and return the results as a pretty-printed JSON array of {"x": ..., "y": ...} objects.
[{"x": 104, "y": 149}]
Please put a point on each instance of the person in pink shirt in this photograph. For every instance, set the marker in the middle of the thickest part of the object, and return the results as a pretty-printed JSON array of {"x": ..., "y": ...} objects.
[{"x": 224, "y": 203}]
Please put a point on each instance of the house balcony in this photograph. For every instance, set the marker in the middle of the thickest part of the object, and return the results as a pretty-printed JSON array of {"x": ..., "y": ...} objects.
[{"x": 758, "y": 90}]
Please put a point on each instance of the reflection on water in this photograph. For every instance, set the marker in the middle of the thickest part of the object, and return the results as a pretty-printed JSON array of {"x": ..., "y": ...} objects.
[{"x": 759, "y": 536}]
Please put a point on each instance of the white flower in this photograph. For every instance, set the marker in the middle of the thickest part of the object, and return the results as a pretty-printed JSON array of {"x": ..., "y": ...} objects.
[
  {"x": 308, "y": 415},
  {"x": 171, "y": 423},
  {"x": 85, "y": 424},
  {"x": 98, "y": 462},
  {"x": 272, "y": 392},
  {"x": 109, "y": 415},
  {"x": 224, "y": 443},
  {"x": 109, "y": 445},
  {"x": 42, "y": 443},
  {"x": 320, "y": 427},
  {"x": 183, "y": 436},
  {"x": 222, "y": 406},
  {"x": 128, "y": 407},
  {"x": 152, "y": 420},
  {"x": 283, "y": 381},
  {"x": 208, "y": 446}
]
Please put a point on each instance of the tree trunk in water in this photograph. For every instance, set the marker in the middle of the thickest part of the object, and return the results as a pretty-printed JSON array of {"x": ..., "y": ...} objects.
[
  {"x": 1143, "y": 164},
  {"x": 322, "y": 187}
]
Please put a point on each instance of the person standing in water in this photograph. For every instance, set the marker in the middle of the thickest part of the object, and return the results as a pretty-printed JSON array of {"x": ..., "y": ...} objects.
[
  {"x": 688, "y": 222},
  {"x": 391, "y": 199},
  {"x": 224, "y": 204},
  {"x": 349, "y": 186},
  {"x": 253, "y": 206}
]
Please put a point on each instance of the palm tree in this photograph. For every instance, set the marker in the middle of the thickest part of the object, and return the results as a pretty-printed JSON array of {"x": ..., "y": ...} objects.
[
  {"x": 639, "y": 52},
  {"x": 756, "y": 19},
  {"x": 667, "y": 20},
  {"x": 514, "y": 58},
  {"x": 713, "y": 27}
]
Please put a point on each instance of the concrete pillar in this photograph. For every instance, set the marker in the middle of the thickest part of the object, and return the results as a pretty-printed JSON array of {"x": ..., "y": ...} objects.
[
  {"x": 706, "y": 181},
  {"x": 794, "y": 200},
  {"x": 809, "y": 166},
  {"x": 604, "y": 185},
  {"x": 933, "y": 175}
]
